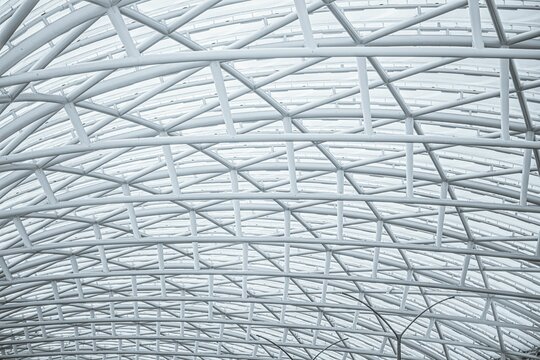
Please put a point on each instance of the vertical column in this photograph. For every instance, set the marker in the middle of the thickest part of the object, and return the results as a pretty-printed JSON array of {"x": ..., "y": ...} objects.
[
  {"x": 101, "y": 249},
  {"x": 286, "y": 266},
  {"x": 409, "y": 158},
  {"x": 383, "y": 345},
  {"x": 219, "y": 83},
  {"x": 487, "y": 307},
  {"x": 39, "y": 313},
  {"x": 364, "y": 94},
  {"x": 340, "y": 188},
  {"x": 430, "y": 327},
  {"x": 171, "y": 169},
  {"x": 22, "y": 232},
  {"x": 161, "y": 264},
  {"x": 131, "y": 212},
  {"x": 238, "y": 230},
  {"x": 378, "y": 237},
  {"x": 75, "y": 269},
  {"x": 122, "y": 31},
  {"x": 220, "y": 342},
  {"x": 505, "y": 98},
  {"x": 56, "y": 295},
  {"x": 440, "y": 216},
  {"x": 466, "y": 262},
  {"x": 250, "y": 319},
  {"x": 476, "y": 26},
  {"x": 77, "y": 124},
  {"x": 324, "y": 289},
  {"x": 198, "y": 333},
  {"x": 287, "y": 125},
  {"x": 49, "y": 193},
  {"x": 538, "y": 245},
  {"x": 5, "y": 269},
  {"x": 134, "y": 294},
  {"x": 93, "y": 329},
  {"x": 158, "y": 332},
  {"x": 195, "y": 244},
  {"x": 182, "y": 313},
  {"x": 210, "y": 295},
  {"x": 303, "y": 16},
  {"x": 283, "y": 341},
  {"x": 406, "y": 291},
  {"x": 525, "y": 171}
]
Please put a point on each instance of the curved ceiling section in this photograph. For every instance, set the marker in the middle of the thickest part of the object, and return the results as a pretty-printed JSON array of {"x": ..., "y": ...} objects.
[{"x": 215, "y": 179}]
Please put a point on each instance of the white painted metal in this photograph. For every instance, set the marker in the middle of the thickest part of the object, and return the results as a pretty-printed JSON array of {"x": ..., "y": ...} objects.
[
  {"x": 364, "y": 92},
  {"x": 476, "y": 26},
  {"x": 214, "y": 188}
]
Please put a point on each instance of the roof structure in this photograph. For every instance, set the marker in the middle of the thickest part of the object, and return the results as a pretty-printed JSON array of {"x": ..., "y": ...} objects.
[{"x": 201, "y": 179}]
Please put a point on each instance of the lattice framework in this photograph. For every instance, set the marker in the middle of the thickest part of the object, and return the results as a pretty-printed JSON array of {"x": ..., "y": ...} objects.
[{"x": 178, "y": 181}]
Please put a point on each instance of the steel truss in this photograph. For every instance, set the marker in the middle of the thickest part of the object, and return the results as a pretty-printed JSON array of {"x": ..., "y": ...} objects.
[{"x": 185, "y": 182}]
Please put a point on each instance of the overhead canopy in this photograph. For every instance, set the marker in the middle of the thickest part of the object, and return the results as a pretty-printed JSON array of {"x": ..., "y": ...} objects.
[{"x": 202, "y": 179}]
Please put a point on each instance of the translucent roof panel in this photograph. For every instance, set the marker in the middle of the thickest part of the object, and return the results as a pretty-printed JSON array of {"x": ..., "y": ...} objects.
[{"x": 228, "y": 179}]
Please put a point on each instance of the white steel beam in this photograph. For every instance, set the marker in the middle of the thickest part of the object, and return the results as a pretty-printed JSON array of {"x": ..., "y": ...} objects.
[
  {"x": 505, "y": 98},
  {"x": 324, "y": 289},
  {"x": 134, "y": 295},
  {"x": 295, "y": 137},
  {"x": 15, "y": 20},
  {"x": 465, "y": 269},
  {"x": 220, "y": 343},
  {"x": 440, "y": 216},
  {"x": 77, "y": 124},
  {"x": 195, "y": 244},
  {"x": 161, "y": 263},
  {"x": 94, "y": 185},
  {"x": 171, "y": 168},
  {"x": 409, "y": 128},
  {"x": 131, "y": 212},
  {"x": 129, "y": 200},
  {"x": 5, "y": 269},
  {"x": 123, "y": 33},
  {"x": 287, "y": 126},
  {"x": 241, "y": 54},
  {"x": 425, "y": 246},
  {"x": 526, "y": 169},
  {"x": 45, "y": 185},
  {"x": 238, "y": 231},
  {"x": 537, "y": 253},
  {"x": 75, "y": 269},
  {"x": 250, "y": 320},
  {"x": 43, "y": 329},
  {"x": 210, "y": 294},
  {"x": 476, "y": 26},
  {"x": 278, "y": 274},
  {"x": 219, "y": 83},
  {"x": 446, "y": 319},
  {"x": 182, "y": 314},
  {"x": 101, "y": 248},
  {"x": 405, "y": 294},
  {"x": 364, "y": 93},
  {"x": 303, "y": 17},
  {"x": 487, "y": 307},
  {"x": 22, "y": 232},
  {"x": 339, "y": 213},
  {"x": 430, "y": 14},
  {"x": 56, "y": 295},
  {"x": 377, "y": 250},
  {"x": 286, "y": 262}
]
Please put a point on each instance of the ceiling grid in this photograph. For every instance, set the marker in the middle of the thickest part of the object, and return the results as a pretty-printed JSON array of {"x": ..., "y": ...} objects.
[{"x": 231, "y": 179}]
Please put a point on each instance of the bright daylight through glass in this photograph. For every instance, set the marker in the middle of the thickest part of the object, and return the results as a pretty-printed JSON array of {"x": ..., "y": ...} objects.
[{"x": 270, "y": 179}]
